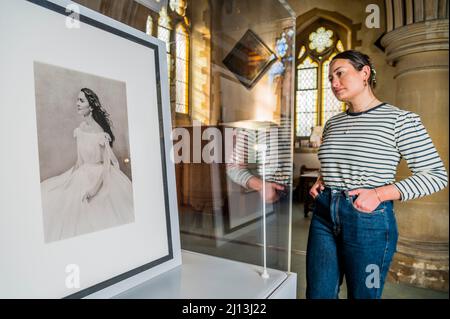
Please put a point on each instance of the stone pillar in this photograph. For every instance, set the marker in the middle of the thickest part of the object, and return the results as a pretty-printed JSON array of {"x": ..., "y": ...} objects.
[{"x": 419, "y": 52}]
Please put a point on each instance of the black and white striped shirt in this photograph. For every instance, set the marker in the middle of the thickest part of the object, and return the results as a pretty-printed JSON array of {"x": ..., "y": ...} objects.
[
  {"x": 247, "y": 161},
  {"x": 363, "y": 150}
]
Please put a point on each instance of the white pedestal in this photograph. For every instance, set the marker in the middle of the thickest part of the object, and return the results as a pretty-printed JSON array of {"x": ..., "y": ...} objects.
[{"x": 207, "y": 277}]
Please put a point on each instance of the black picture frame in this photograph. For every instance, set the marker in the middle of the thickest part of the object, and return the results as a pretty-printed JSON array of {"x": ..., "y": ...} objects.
[{"x": 171, "y": 256}]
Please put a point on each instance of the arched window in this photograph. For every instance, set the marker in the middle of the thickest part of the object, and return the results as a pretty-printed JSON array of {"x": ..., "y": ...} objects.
[
  {"x": 177, "y": 48},
  {"x": 182, "y": 69},
  {"x": 164, "y": 30},
  {"x": 315, "y": 102}
]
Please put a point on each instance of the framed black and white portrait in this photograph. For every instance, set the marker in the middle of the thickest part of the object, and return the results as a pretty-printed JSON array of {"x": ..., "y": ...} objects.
[
  {"x": 88, "y": 206},
  {"x": 87, "y": 187}
]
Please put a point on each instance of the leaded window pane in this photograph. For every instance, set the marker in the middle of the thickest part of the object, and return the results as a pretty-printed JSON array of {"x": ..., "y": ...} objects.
[
  {"x": 330, "y": 104},
  {"x": 181, "y": 69},
  {"x": 305, "y": 121},
  {"x": 307, "y": 79},
  {"x": 306, "y": 96},
  {"x": 164, "y": 34},
  {"x": 307, "y": 101}
]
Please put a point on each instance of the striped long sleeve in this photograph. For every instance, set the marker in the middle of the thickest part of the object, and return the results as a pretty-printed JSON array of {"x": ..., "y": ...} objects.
[
  {"x": 417, "y": 148},
  {"x": 237, "y": 168},
  {"x": 363, "y": 150},
  {"x": 247, "y": 161}
]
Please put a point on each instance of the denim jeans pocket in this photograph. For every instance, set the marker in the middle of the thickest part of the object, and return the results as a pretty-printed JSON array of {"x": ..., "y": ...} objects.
[
  {"x": 377, "y": 211},
  {"x": 369, "y": 214}
]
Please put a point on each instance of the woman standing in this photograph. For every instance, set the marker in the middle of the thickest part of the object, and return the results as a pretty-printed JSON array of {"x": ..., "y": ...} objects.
[
  {"x": 353, "y": 231},
  {"x": 94, "y": 194}
]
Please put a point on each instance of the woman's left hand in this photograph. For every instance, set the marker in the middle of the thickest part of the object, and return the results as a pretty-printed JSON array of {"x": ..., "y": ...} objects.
[{"x": 367, "y": 199}]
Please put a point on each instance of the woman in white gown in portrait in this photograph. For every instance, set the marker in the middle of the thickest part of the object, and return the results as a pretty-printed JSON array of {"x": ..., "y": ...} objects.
[{"x": 94, "y": 194}]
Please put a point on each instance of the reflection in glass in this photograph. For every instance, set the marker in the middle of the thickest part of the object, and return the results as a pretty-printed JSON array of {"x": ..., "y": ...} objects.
[{"x": 220, "y": 213}]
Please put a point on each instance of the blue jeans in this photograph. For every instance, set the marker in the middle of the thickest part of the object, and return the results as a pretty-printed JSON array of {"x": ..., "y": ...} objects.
[{"x": 346, "y": 242}]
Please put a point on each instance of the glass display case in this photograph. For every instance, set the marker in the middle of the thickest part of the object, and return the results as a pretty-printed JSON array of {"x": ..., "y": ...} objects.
[
  {"x": 240, "y": 97},
  {"x": 230, "y": 69}
]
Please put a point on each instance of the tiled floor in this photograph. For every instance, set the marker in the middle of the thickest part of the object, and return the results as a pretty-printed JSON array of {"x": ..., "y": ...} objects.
[{"x": 247, "y": 248}]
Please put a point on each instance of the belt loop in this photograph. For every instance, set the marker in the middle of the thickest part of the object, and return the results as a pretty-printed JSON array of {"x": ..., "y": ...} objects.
[{"x": 347, "y": 196}]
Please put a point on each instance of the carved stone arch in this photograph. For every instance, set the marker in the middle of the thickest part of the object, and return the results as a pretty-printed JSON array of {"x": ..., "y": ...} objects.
[{"x": 344, "y": 26}]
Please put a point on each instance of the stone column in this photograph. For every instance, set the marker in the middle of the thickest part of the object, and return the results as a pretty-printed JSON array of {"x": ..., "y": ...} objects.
[{"x": 418, "y": 48}]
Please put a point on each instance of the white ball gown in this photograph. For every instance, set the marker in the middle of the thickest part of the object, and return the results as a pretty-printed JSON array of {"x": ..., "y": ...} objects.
[{"x": 65, "y": 214}]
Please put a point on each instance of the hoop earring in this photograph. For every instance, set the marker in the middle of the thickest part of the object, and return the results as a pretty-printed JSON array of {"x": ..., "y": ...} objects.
[{"x": 365, "y": 83}]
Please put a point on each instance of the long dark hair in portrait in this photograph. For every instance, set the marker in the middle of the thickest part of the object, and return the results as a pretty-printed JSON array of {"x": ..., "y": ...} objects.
[
  {"x": 99, "y": 114},
  {"x": 359, "y": 60}
]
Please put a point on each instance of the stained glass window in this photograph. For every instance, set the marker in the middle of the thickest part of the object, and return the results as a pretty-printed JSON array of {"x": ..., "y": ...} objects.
[
  {"x": 164, "y": 29},
  {"x": 306, "y": 97},
  {"x": 315, "y": 101},
  {"x": 320, "y": 39},
  {"x": 331, "y": 105},
  {"x": 181, "y": 69},
  {"x": 302, "y": 52},
  {"x": 177, "y": 47}
]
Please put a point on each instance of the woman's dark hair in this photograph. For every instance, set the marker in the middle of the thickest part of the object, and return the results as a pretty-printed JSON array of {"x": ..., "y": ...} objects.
[
  {"x": 99, "y": 113},
  {"x": 359, "y": 60}
]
